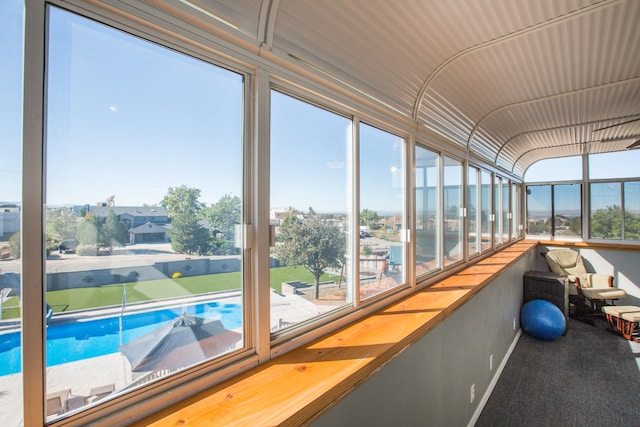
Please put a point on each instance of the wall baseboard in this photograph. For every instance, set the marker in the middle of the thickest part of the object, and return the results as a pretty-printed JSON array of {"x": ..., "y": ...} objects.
[{"x": 494, "y": 381}]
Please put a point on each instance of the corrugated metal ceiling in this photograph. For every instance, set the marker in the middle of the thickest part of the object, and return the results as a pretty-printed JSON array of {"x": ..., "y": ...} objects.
[{"x": 512, "y": 81}]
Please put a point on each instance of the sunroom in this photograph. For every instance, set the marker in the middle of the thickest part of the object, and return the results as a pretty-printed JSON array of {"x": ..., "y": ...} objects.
[{"x": 353, "y": 192}]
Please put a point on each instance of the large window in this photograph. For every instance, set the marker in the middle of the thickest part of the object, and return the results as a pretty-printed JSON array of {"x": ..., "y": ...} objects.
[
  {"x": 144, "y": 202},
  {"x": 606, "y": 210},
  {"x": 615, "y": 210},
  {"x": 631, "y": 210},
  {"x": 567, "y": 210},
  {"x": 516, "y": 211},
  {"x": 11, "y": 41},
  {"x": 382, "y": 196},
  {"x": 554, "y": 210},
  {"x": 497, "y": 209},
  {"x": 309, "y": 205},
  {"x": 615, "y": 203},
  {"x": 539, "y": 210},
  {"x": 453, "y": 211},
  {"x": 486, "y": 213},
  {"x": 473, "y": 211},
  {"x": 504, "y": 211},
  {"x": 618, "y": 165},
  {"x": 427, "y": 211}
]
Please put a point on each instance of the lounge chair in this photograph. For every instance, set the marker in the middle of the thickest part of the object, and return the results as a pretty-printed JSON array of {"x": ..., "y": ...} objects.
[
  {"x": 56, "y": 401},
  {"x": 100, "y": 392},
  {"x": 592, "y": 289}
]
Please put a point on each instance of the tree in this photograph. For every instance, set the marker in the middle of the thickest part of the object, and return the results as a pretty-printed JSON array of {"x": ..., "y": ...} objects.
[
  {"x": 88, "y": 236},
  {"x": 184, "y": 209},
  {"x": 62, "y": 223},
  {"x": 182, "y": 200},
  {"x": 187, "y": 236},
  {"x": 14, "y": 245},
  {"x": 607, "y": 223},
  {"x": 224, "y": 215},
  {"x": 369, "y": 218},
  {"x": 312, "y": 243},
  {"x": 113, "y": 232}
]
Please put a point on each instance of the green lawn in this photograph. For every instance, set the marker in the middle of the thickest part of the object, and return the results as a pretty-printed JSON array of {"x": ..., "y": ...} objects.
[{"x": 110, "y": 295}]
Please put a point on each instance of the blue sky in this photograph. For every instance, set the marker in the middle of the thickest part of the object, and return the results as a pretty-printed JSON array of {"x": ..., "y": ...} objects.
[
  {"x": 129, "y": 118},
  {"x": 11, "y": 96}
]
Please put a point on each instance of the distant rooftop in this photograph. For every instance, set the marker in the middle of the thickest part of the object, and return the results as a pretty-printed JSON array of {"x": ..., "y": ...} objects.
[{"x": 103, "y": 211}]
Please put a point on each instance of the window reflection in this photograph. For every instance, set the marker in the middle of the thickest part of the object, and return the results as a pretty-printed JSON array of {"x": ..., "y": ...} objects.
[
  {"x": 632, "y": 210},
  {"x": 539, "y": 210},
  {"x": 382, "y": 196},
  {"x": 144, "y": 202},
  {"x": 504, "y": 199},
  {"x": 487, "y": 212},
  {"x": 567, "y": 210},
  {"x": 427, "y": 211},
  {"x": 453, "y": 204},
  {"x": 309, "y": 175},
  {"x": 11, "y": 83},
  {"x": 473, "y": 224},
  {"x": 606, "y": 210}
]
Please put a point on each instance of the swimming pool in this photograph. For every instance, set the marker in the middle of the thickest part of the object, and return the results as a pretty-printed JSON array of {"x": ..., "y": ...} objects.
[{"x": 84, "y": 339}]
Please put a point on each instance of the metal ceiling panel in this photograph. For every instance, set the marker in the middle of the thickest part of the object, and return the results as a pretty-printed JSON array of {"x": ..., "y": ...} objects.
[
  {"x": 511, "y": 81},
  {"x": 568, "y": 119},
  {"x": 243, "y": 14},
  {"x": 543, "y": 67}
]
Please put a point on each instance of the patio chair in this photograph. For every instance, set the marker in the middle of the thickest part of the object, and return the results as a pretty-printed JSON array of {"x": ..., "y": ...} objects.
[
  {"x": 56, "y": 401},
  {"x": 592, "y": 289},
  {"x": 100, "y": 392}
]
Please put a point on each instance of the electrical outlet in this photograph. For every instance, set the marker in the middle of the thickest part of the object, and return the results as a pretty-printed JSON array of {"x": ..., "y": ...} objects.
[
  {"x": 491, "y": 362},
  {"x": 473, "y": 392}
]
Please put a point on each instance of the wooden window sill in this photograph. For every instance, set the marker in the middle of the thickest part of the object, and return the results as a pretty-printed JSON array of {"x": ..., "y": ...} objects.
[
  {"x": 299, "y": 386},
  {"x": 591, "y": 245}
]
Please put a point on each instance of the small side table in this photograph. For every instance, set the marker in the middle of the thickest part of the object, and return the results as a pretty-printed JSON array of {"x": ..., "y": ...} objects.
[{"x": 548, "y": 286}]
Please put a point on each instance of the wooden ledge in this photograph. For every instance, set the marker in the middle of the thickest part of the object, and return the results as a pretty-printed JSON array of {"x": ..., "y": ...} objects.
[
  {"x": 591, "y": 245},
  {"x": 297, "y": 387}
]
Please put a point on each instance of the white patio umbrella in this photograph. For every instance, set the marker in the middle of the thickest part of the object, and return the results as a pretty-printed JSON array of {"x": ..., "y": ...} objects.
[{"x": 181, "y": 342}]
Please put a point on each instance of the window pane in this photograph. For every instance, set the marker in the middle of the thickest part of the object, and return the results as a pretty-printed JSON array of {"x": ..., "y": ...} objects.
[
  {"x": 606, "y": 214},
  {"x": 472, "y": 210},
  {"x": 309, "y": 176},
  {"x": 382, "y": 190},
  {"x": 485, "y": 201},
  {"x": 632, "y": 210},
  {"x": 505, "y": 211},
  {"x": 561, "y": 169},
  {"x": 497, "y": 203},
  {"x": 621, "y": 164},
  {"x": 567, "y": 213},
  {"x": 427, "y": 211},
  {"x": 539, "y": 210},
  {"x": 515, "y": 209},
  {"x": 453, "y": 225},
  {"x": 144, "y": 199},
  {"x": 11, "y": 41}
]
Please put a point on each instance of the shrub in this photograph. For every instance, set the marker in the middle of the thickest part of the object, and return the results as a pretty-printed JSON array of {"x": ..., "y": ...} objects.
[
  {"x": 366, "y": 250},
  {"x": 14, "y": 245},
  {"x": 87, "y": 250}
]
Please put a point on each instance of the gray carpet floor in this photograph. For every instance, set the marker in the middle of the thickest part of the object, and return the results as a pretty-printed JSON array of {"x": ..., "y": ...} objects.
[{"x": 590, "y": 377}]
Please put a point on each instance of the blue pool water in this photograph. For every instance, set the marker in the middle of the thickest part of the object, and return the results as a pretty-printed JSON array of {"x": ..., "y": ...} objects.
[{"x": 83, "y": 339}]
